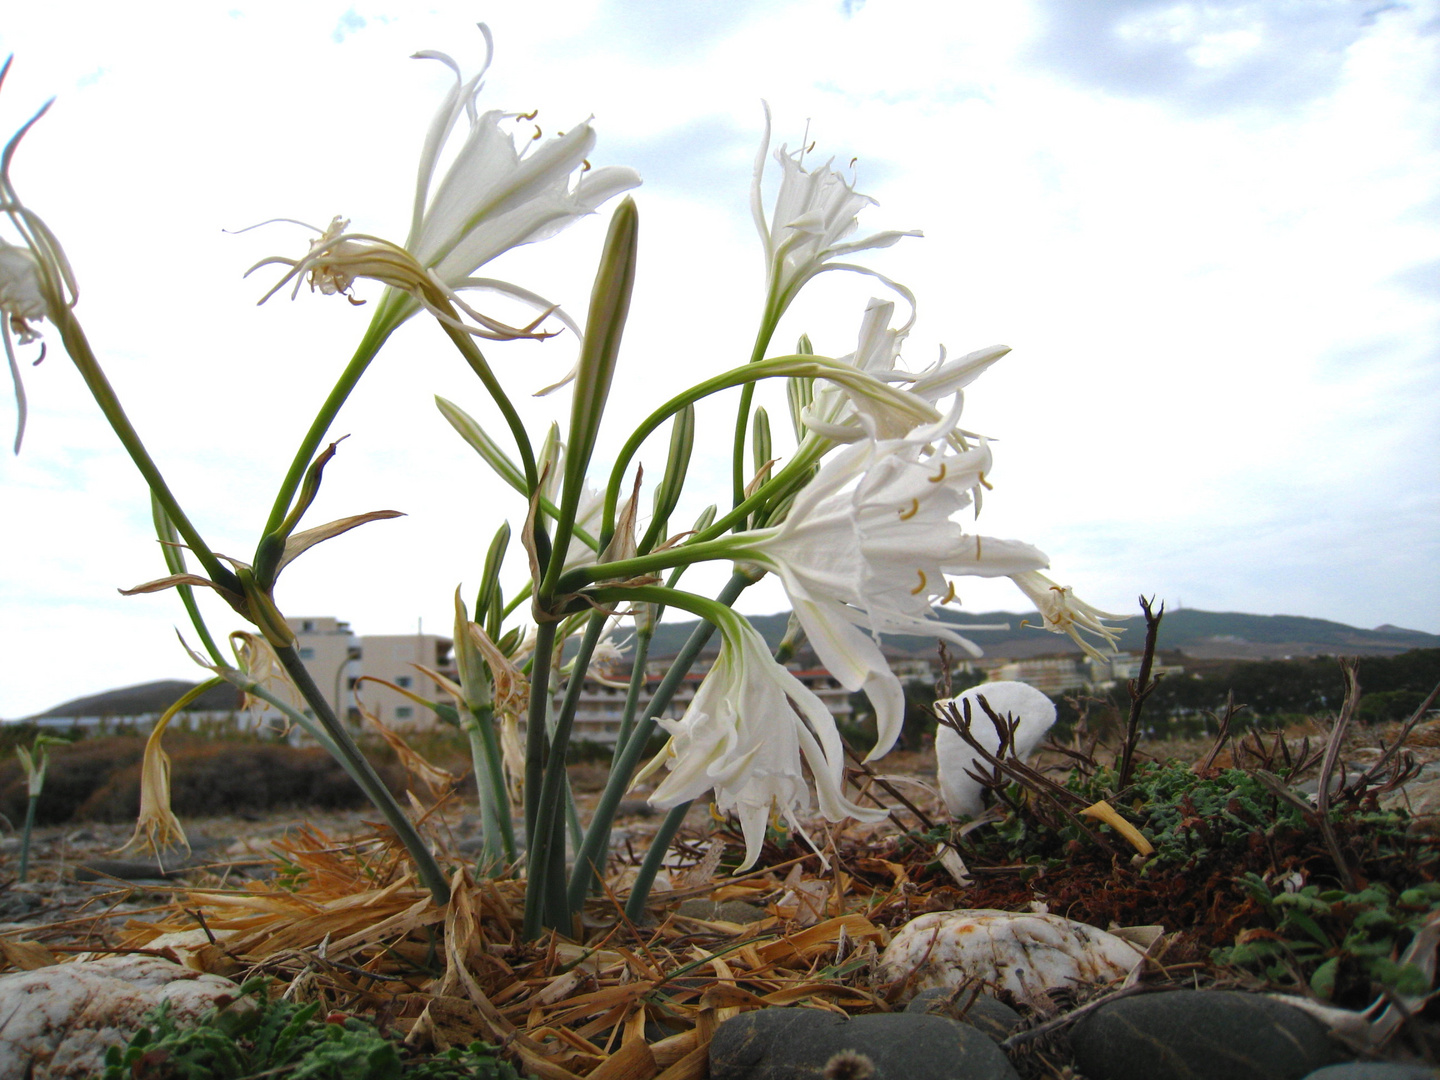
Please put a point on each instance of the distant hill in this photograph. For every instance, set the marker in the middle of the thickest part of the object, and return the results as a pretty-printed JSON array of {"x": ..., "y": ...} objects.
[
  {"x": 1209, "y": 635},
  {"x": 1204, "y": 635},
  {"x": 151, "y": 697}
]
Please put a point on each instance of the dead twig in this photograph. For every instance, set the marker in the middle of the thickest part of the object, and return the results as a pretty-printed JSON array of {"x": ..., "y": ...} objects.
[
  {"x": 1004, "y": 763},
  {"x": 1206, "y": 768},
  {"x": 888, "y": 788},
  {"x": 1348, "y": 667},
  {"x": 1371, "y": 777},
  {"x": 1140, "y": 689}
]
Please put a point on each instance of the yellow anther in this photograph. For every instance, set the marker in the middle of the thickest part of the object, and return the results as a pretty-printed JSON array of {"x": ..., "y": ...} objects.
[
  {"x": 531, "y": 115},
  {"x": 585, "y": 165},
  {"x": 944, "y": 468},
  {"x": 906, "y": 515},
  {"x": 538, "y": 132},
  {"x": 918, "y": 589},
  {"x": 985, "y": 483},
  {"x": 950, "y": 594}
]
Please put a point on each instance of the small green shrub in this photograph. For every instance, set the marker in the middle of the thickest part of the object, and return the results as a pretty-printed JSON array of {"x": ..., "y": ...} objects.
[
  {"x": 260, "y": 1036},
  {"x": 1338, "y": 943}
]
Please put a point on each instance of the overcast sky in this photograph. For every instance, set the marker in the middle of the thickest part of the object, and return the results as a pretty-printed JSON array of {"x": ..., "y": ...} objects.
[{"x": 1209, "y": 231}]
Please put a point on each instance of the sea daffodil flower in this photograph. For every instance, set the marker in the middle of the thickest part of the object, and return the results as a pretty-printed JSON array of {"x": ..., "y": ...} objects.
[
  {"x": 493, "y": 197},
  {"x": 842, "y": 414},
  {"x": 1064, "y": 613},
  {"x": 814, "y": 212},
  {"x": 744, "y": 735},
  {"x": 867, "y": 546}
]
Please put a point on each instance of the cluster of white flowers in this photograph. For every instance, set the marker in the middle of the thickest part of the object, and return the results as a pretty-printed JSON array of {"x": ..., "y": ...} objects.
[{"x": 867, "y": 548}]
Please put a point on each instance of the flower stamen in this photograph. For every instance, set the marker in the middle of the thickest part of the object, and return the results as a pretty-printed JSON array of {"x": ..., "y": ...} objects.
[
  {"x": 906, "y": 515},
  {"x": 921, "y": 587},
  {"x": 944, "y": 470}
]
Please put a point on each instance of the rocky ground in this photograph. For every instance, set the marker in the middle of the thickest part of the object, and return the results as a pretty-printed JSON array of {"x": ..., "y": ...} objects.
[{"x": 82, "y": 891}]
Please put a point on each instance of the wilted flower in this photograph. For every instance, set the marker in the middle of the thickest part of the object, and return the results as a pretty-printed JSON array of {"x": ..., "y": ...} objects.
[
  {"x": 867, "y": 546},
  {"x": 745, "y": 734},
  {"x": 21, "y": 304},
  {"x": 1063, "y": 613},
  {"x": 157, "y": 824},
  {"x": 35, "y": 280},
  {"x": 493, "y": 197},
  {"x": 814, "y": 213},
  {"x": 955, "y": 759}
]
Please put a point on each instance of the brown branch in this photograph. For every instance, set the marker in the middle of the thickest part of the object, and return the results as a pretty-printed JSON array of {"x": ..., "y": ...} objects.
[
  {"x": 1140, "y": 689},
  {"x": 1206, "y": 767},
  {"x": 1348, "y": 666},
  {"x": 1373, "y": 773},
  {"x": 1028, "y": 778},
  {"x": 887, "y": 787}
]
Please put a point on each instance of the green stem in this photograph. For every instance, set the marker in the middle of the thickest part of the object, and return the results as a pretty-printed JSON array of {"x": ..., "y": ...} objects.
[
  {"x": 499, "y": 832},
  {"x": 429, "y": 870},
  {"x": 535, "y": 735},
  {"x": 478, "y": 364},
  {"x": 815, "y": 367},
  {"x": 25, "y": 837},
  {"x": 541, "y": 894},
  {"x": 384, "y": 323},
  {"x": 590, "y": 855},
  {"x": 742, "y": 416},
  {"x": 684, "y": 555},
  {"x": 645, "y": 879},
  {"x": 104, "y": 394},
  {"x": 632, "y": 692}
]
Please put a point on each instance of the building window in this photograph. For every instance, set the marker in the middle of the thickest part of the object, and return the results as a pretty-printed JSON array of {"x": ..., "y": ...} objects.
[
  {"x": 307, "y": 626},
  {"x": 403, "y": 712},
  {"x": 307, "y": 654},
  {"x": 403, "y": 682}
]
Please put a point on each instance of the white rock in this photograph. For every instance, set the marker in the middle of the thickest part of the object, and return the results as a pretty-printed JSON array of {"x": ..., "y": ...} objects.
[
  {"x": 1023, "y": 953},
  {"x": 953, "y": 756},
  {"x": 58, "y": 1021}
]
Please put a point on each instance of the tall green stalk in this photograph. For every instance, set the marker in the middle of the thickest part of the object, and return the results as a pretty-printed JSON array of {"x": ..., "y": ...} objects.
[
  {"x": 364, "y": 773},
  {"x": 30, "y": 804},
  {"x": 591, "y": 852},
  {"x": 545, "y": 898}
]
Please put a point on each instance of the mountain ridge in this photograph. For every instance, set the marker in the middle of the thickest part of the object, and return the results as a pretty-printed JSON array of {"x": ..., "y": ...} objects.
[{"x": 1202, "y": 635}]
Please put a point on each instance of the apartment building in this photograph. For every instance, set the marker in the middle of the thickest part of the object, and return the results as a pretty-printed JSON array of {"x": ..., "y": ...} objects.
[{"x": 351, "y": 671}]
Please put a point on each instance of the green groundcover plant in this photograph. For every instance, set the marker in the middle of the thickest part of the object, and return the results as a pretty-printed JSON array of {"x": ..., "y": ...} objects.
[{"x": 262, "y": 1036}]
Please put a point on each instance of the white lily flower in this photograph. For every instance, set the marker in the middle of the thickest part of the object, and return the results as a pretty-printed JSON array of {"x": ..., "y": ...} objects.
[
  {"x": 495, "y": 197},
  {"x": 846, "y": 414},
  {"x": 1063, "y": 613},
  {"x": 748, "y": 728},
  {"x": 492, "y": 197},
  {"x": 814, "y": 213},
  {"x": 955, "y": 759},
  {"x": 867, "y": 546}
]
